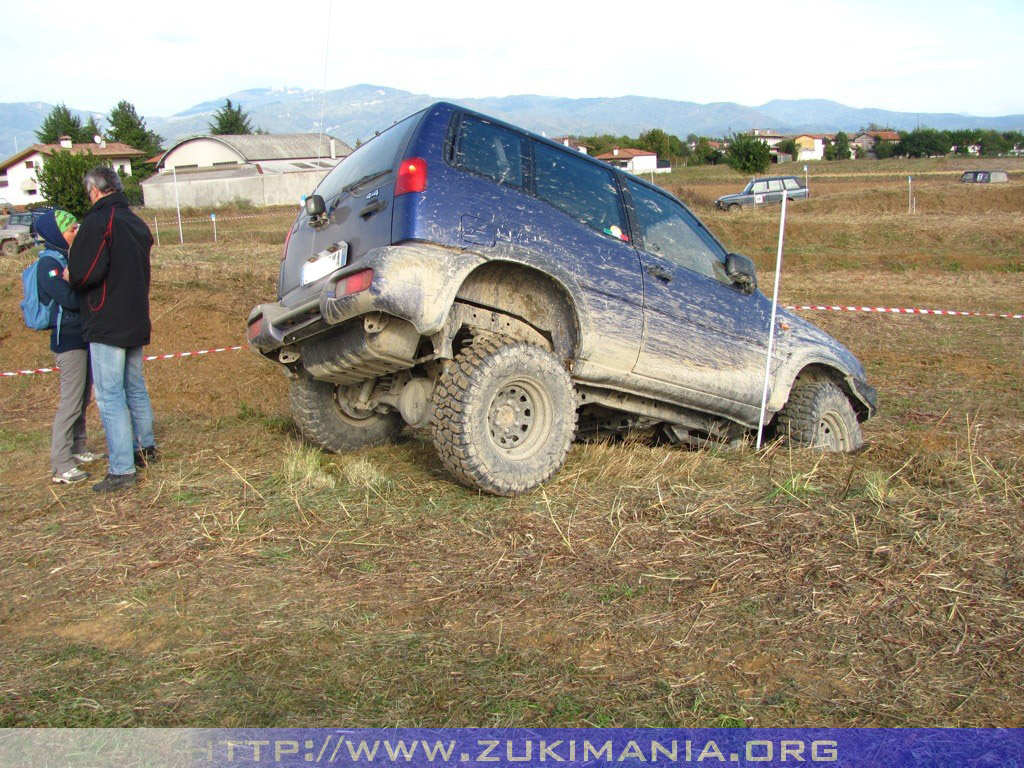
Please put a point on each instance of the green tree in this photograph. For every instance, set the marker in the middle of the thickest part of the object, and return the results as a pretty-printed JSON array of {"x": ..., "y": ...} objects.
[
  {"x": 132, "y": 187},
  {"x": 748, "y": 154},
  {"x": 789, "y": 147},
  {"x": 664, "y": 145},
  {"x": 885, "y": 149},
  {"x": 230, "y": 120},
  {"x": 992, "y": 143},
  {"x": 60, "y": 180},
  {"x": 705, "y": 154},
  {"x": 128, "y": 127},
  {"x": 92, "y": 129},
  {"x": 842, "y": 147},
  {"x": 924, "y": 142},
  {"x": 60, "y": 122}
]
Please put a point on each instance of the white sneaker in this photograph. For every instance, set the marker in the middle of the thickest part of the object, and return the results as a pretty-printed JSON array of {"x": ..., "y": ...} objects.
[
  {"x": 71, "y": 476},
  {"x": 86, "y": 457}
]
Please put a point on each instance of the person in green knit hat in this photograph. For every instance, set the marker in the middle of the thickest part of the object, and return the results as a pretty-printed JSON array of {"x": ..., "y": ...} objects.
[{"x": 68, "y": 450}]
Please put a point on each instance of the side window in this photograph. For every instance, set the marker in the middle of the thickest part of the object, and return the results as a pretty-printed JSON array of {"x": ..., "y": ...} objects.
[
  {"x": 490, "y": 151},
  {"x": 759, "y": 188},
  {"x": 582, "y": 189},
  {"x": 791, "y": 184},
  {"x": 670, "y": 231},
  {"x": 775, "y": 185}
]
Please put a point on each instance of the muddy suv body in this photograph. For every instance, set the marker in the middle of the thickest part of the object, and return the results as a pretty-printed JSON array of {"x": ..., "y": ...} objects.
[{"x": 461, "y": 274}]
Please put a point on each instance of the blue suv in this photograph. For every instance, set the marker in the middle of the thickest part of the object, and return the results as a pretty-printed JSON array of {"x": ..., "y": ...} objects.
[{"x": 510, "y": 293}]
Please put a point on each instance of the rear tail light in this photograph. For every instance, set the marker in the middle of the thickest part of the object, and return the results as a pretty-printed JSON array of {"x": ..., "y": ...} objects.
[
  {"x": 412, "y": 176},
  {"x": 356, "y": 283},
  {"x": 255, "y": 329}
]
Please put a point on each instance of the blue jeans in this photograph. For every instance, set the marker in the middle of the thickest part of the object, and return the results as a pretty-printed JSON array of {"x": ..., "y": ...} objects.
[{"x": 123, "y": 403}]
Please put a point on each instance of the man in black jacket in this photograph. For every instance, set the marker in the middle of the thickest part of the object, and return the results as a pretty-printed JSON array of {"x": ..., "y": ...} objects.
[{"x": 109, "y": 267}]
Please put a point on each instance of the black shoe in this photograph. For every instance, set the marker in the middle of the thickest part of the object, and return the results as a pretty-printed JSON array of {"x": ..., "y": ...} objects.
[
  {"x": 115, "y": 483},
  {"x": 146, "y": 457}
]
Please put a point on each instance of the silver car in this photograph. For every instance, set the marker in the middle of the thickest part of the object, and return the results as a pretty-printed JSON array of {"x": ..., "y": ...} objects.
[{"x": 764, "y": 191}]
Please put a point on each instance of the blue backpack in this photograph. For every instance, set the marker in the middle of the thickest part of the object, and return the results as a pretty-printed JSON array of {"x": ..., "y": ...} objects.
[{"x": 33, "y": 309}]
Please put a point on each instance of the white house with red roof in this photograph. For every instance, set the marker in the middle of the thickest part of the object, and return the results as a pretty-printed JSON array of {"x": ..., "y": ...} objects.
[
  {"x": 636, "y": 161},
  {"x": 571, "y": 143},
  {"x": 18, "y": 182}
]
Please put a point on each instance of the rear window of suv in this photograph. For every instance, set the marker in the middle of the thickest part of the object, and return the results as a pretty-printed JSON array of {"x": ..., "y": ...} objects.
[
  {"x": 373, "y": 160},
  {"x": 490, "y": 151},
  {"x": 583, "y": 190}
]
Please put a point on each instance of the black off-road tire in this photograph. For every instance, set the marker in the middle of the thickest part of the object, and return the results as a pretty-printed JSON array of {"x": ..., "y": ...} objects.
[
  {"x": 819, "y": 415},
  {"x": 733, "y": 208},
  {"x": 322, "y": 421},
  {"x": 10, "y": 248},
  {"x": 504, "y": 416}
]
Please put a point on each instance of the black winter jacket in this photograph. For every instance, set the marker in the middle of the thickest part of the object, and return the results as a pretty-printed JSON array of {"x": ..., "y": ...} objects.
[{"x": 109, "y": 267}]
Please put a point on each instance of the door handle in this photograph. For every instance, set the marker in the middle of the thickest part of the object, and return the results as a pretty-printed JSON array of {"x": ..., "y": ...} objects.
[
  {"x": 372, "y": 208},
  {"x": 661, "y": 274}
]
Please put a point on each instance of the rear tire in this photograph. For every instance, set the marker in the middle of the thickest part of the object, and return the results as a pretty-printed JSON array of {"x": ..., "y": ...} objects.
[
  {"x": 819, "y": 415},
  {"x": 322, "y": 421},
  {"x": 504, "y": 416}
]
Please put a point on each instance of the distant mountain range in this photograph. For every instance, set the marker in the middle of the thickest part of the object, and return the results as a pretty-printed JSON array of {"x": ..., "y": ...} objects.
[{"x": 357, "y": 111}]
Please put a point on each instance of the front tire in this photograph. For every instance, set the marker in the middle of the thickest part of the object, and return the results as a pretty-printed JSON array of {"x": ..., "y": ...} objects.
[
  {"x": 504, "y": 416},
  {"x": 322, "y": 421},
  {"x": 10, "y": 248},
  {"x": 819, "y": 415}
]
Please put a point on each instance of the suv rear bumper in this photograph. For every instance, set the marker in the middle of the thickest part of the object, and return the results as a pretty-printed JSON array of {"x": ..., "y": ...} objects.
[{"x": 413, "y": 282}]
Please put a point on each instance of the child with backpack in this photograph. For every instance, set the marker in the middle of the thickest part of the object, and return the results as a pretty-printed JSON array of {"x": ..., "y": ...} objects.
[{"x": 68, "y": 442}]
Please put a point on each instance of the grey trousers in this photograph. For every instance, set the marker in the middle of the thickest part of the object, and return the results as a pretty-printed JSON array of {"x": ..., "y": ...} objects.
[{"x": 69, "y": 423}]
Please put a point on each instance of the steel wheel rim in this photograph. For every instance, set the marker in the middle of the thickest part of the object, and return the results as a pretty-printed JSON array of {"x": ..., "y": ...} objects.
[
  {"x": 519, "y": 418},
  {"x": 833, "y": 433}
]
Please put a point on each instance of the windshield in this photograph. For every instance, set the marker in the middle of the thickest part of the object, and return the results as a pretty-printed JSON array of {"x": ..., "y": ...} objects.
[
  {"x": 746, "y": 189},
  {"x": 373, "y": 159}
]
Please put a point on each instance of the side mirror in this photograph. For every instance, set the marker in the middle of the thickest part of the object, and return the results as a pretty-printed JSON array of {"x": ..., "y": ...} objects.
[
  {"x": 741, "y": 271},
  {"x": 317, "y": 210}
]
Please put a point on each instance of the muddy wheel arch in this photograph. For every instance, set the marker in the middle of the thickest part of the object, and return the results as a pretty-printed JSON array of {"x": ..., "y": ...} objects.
[
  {"x": 820, "y": 370},
  {"x": 528, "y": 295}
]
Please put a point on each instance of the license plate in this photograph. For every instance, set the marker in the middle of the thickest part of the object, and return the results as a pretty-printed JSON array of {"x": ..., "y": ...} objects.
[{"x": 324, "y": 263}]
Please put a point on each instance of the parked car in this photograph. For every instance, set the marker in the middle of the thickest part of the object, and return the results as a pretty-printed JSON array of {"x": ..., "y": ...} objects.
[
  {"x": 764, "y": 191},
  {"x": 28, "y": 221},
  {"x": 461, "y": 274},
  {"x": 15, "y": 236},
  {"x": 984, "y": 177}
]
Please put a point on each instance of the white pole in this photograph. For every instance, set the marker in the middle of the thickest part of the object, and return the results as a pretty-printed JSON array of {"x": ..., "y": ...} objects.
[
  {"x": 213, "y": 218},
  {"x": 771, "y": 327},
  {"x": 805, "y": 178},
  {"x": 181, "y": 234},
  {"x": 156, "y": 226},
  {"x": 910, "y": 194}
]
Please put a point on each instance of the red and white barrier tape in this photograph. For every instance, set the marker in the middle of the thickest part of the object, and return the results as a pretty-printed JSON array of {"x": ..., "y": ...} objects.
[
  {"x": 833, "y": 308},
  {"x": 904, "y": 311},
  {"x": 196, "y": 353},
  {"x": 207, "y": 219}
]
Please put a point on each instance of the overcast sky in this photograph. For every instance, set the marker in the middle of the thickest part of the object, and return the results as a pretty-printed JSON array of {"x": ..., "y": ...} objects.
[{"x": 934, "y": 56}]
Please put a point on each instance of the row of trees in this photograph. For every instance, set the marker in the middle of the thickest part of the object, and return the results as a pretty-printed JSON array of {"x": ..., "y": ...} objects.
[
  {"x": 928, "y": 142},
  {"x": 61, "y": 174}
]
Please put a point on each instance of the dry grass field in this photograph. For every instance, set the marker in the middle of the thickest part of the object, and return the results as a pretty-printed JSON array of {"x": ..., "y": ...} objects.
[{"x": 252, "y": 580}]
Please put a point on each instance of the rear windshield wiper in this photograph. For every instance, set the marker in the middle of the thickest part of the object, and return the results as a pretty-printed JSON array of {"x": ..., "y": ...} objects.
[{"x": 364, "y": 179}]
